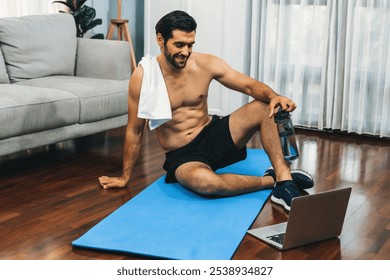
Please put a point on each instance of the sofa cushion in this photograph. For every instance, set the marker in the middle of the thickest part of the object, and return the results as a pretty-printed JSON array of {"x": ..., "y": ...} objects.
[
  {"x": 99, "y": 98},
  {"x": 3, "y": 72},
  {"x": 103, "y": 59},
  {"x": 38, "y": 46},
  {"x": 25, "y": 110}
]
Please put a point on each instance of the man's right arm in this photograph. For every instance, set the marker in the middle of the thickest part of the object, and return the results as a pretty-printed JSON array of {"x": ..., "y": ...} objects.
[{"x": 134, "y": 133}]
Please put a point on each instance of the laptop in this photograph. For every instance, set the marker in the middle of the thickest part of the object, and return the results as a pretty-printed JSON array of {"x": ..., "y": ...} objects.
[{"x": 312, "y": 218}]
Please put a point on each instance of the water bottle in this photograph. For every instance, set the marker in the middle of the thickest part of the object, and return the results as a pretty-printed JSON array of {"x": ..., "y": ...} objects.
[{"x": 286, "y": 135}]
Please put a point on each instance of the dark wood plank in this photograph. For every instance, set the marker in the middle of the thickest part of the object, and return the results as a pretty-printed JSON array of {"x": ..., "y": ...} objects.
[{"x": 49, "y": 196}]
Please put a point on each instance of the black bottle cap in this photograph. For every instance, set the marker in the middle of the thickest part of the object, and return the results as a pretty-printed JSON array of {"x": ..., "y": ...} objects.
[{"x": 282, "y": 115}]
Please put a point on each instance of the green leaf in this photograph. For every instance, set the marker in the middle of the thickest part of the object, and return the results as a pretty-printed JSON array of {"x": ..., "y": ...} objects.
[
  {"x": 84, "y": 15},
  {"x": 80, "y": 3},
  {"x": 94, "y": 23},
  {"x": 98, "y": 36}
]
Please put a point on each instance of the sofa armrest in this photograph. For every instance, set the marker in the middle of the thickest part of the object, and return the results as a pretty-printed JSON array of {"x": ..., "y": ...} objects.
[{"x": 104, "y": 59}]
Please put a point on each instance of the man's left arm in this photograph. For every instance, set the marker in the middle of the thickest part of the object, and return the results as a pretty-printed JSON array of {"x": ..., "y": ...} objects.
[{"x": 249, "y": 86}]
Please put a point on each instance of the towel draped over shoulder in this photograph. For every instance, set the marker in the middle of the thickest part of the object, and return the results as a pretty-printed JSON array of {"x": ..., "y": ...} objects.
[{"x": 154, "y": 102}]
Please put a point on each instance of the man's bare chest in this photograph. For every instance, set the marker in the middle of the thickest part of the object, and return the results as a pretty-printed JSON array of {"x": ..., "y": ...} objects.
[{"x": 187, "y": 91}]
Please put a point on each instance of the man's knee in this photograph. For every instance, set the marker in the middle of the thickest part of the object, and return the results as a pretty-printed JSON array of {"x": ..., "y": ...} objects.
[
  {"x": 203, "y": 186},
  {"x": 252, "y": 114},
  {"x": 200, "y": 180},
  {"x": 259, "y": 108},
  {"x": 209, "y": 189}
]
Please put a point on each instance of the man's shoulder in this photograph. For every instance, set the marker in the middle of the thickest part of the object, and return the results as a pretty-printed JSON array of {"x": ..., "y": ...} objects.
[
  {"x": 206, "y": 60},
  {"x": 215, "y": 65},
  {"x": 205, "y": 56},
  {"x": 138, "y": 72},
  {"x": 136, "y": 79}
]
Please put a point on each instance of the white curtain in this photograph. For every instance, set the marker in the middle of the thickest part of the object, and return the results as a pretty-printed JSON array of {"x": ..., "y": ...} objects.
[
  {"x": 15, "y": 8},
  {"x": 332, "y": 57}
]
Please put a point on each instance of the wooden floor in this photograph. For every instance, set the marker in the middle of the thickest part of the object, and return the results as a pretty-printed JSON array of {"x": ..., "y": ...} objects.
[{"x": 50, "y": 196}]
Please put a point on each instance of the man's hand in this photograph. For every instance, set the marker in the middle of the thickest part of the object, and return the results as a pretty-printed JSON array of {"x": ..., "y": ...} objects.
[
  {"x": 112, "y": 182},
  {"x": 281, "y": 101},
  {"x": 134, "y": 131}
]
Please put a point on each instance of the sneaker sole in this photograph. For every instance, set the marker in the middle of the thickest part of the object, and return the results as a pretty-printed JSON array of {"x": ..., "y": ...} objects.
[
  {"x": 303, "y": 173},
  {"x": 298, "y": 171},
  {"x": 280, "y": 202}
]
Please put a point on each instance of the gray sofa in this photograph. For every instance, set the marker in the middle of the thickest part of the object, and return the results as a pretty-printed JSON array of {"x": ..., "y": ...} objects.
[{"x": 55, "y": 86}]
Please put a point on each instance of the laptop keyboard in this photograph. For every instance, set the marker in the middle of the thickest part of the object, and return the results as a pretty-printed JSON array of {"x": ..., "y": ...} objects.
[{"x": 278, "y": 238}]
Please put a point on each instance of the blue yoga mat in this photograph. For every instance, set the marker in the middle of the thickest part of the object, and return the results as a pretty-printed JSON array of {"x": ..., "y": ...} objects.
[{"x": 168, "y": 221}]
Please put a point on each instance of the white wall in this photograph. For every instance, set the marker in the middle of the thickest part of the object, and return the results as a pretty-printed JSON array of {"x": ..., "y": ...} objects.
[{"x": 222, "y": 31}]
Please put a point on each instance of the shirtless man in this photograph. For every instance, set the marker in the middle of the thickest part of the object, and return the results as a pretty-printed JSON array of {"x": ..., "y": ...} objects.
[{"x": 197, "y": 144}]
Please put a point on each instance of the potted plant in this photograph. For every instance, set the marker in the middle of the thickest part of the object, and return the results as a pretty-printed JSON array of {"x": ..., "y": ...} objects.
[{"x": 84, "y": 17}]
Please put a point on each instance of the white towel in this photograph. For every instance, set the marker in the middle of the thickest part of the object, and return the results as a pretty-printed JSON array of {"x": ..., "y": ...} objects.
[{"x": 154, "y": 102}]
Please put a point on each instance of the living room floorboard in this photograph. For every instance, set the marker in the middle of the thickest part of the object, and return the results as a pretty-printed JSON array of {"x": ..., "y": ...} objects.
[{"x": 50, "y": 196}]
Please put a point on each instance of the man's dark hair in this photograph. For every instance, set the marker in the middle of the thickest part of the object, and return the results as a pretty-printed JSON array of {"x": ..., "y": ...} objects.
[{"x": 175, "y": 20}]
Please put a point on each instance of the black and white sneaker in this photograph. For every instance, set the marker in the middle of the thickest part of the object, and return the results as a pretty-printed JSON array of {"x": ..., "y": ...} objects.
[
  {"x": 301, "y": 178},
  {"x": 283, "y": 193}
]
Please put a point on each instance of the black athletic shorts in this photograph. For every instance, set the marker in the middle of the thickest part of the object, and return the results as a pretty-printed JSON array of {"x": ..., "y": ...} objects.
[{"x": 213, "y": 146}]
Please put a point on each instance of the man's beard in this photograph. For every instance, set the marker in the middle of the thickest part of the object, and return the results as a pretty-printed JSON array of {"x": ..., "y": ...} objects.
[{"x": 172, "y": 59}]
